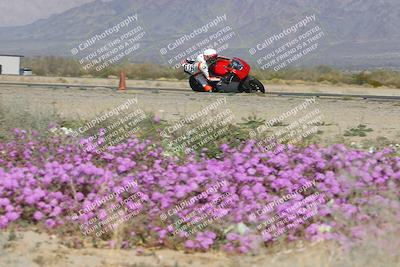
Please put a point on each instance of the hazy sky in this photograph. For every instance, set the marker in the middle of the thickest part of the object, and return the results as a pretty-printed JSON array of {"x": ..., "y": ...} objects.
[{"x": 21, "y": 12}]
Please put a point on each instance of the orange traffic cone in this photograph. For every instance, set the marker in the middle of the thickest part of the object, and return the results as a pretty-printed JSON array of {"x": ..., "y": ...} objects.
[{"x": 122, "y": 81}]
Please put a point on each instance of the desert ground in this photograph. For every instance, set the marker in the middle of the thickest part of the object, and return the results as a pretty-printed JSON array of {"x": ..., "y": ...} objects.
[
  {"x": 338, "y": 114},
  {"x": 28, "y": 248},
  {"x": 33, "y": 249}
]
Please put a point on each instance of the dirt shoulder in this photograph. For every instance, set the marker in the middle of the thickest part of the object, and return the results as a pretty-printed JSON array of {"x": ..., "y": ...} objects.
[
  {"x": 284, "y": 86},
  {"x": 338, "y": 115},
  {"x": 28, "y": 248}
]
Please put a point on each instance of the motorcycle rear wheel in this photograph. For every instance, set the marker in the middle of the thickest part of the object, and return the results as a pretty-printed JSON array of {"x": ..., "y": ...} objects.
[{"x": 252, "y": 85}]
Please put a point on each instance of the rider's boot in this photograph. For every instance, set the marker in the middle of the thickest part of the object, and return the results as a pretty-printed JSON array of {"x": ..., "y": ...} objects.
[{"x": 208, "y": 88}]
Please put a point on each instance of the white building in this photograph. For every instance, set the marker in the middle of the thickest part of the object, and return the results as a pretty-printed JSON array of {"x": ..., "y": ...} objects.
[{"x": 10, "y": 64}]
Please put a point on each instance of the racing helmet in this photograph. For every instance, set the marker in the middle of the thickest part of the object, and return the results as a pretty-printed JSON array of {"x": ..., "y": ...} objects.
[{"x": 210, "y": 54}]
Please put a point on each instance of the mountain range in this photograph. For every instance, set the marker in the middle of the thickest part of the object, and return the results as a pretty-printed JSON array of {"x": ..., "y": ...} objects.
[
  {"x": 357, "y": 33},
  {"x": 22, "y": 12}
]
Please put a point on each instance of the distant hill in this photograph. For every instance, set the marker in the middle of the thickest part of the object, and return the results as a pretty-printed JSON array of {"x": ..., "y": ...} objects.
[
  {"x": 22, "y": 12},
  {"x": 358, "y": 34}
]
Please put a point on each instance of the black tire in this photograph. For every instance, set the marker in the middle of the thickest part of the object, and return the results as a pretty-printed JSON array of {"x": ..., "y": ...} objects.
[
  {"x": 252, "y": 85},
  {"x": 195, "y": 85}
]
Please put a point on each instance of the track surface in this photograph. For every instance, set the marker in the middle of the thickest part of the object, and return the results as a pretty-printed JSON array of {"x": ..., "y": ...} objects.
[{"x": 45, "y": 85}]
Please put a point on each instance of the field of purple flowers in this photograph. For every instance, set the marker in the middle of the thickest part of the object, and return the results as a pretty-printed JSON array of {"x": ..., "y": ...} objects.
[{"x": 54, "y": 184}]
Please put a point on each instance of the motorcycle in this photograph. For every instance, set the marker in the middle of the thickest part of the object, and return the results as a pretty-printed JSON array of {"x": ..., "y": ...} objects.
[{"x": 235, "y": 77}]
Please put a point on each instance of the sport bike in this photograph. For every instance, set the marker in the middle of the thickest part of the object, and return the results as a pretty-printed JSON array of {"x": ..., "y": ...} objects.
[{"x": 235, "y": 77}]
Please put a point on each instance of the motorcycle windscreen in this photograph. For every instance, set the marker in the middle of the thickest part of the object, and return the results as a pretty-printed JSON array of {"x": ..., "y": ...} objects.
[{"x": 240, "y": 68}]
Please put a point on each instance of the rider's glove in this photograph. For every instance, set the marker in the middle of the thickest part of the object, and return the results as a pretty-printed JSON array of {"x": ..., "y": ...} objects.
[
  {"x": 187, "y": 61},
  {"x": 190, "y": 61},
  {"x": 188, "y": 68}
]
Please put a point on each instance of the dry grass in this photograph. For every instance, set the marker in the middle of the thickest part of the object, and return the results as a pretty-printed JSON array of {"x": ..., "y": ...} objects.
[{"x": 22, "y": 113}]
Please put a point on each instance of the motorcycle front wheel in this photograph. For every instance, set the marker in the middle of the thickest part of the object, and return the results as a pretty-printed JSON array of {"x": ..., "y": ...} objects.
[{"x": 195, "y": 85}]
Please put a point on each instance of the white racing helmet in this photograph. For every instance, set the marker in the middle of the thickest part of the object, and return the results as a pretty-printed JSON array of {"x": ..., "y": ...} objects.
[{"x": 210, "y": 54}]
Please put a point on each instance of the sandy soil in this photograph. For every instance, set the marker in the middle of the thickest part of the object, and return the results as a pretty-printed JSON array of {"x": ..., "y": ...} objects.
[
  {"x": 339, "y": 115},
  {"x": 32, "y": 249}
]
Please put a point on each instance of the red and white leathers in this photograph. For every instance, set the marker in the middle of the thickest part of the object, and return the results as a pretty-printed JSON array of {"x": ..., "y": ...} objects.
[{"x": 201, "y": 72}]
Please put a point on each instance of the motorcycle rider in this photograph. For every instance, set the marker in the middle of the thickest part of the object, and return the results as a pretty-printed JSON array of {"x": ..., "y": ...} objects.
[{"x": 200, "y": 68}]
